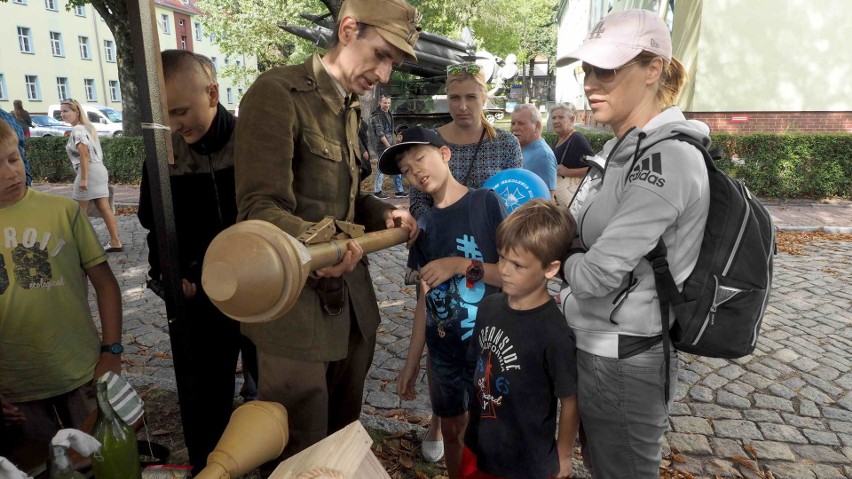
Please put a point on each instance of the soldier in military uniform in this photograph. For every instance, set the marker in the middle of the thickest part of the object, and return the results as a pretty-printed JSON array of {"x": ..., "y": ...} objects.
[{"x": 297, "y": 160}]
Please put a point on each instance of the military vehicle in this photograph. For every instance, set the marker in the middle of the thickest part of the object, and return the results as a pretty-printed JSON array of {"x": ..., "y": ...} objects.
[{"x": 421, "y": 100}]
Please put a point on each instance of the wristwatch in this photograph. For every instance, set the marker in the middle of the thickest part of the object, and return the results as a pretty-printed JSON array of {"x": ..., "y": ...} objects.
[
  {"x": 474, "y": 272},
  {"x": 114, "y": 348}
]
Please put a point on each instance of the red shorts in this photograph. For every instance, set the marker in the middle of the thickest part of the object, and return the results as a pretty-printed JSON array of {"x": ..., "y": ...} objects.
[{"x": 470, "y": 469}]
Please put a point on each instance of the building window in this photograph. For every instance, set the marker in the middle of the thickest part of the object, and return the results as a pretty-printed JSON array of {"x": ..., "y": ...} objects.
[
  {"x": 227, "y": 61},
  {"x": 238, "y": 64},
  {"x": 50, "y": 5},
  {"x": 91, "y": 93},
  {"x": 33, "y": 89},
  {"x": 85, "y": 53},
  {"x": 80, "y": 10},
  {"x": 229, "y": 95},
  {"x": 114, "y": 91},
  {"x": 3, "y": 87},
  {"x": 20, "y": 2},
  {"x": 183, "y": 42},
  {"x": 56, "y": 44},
  {"x": 239, "y": 93},
  {"x": 25, "y": 40},
  {"x": 164, "y": 24},
  {"x": 109, "y": 50},
  {"x": 62, "y": 88},
  {"x": 180, "y": 22},
  {"x": 198, "y": 31}
]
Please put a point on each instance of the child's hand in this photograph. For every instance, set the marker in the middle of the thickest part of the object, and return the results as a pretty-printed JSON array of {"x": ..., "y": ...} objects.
[
  {"x": 406, "y": 380},
  {"x": 440, "y": 270},
  {"x": 11, "y": 413},
  {"x": 566, "y": 468}
]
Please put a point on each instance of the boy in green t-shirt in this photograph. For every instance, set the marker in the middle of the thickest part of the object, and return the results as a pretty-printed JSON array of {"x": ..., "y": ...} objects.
[{"x": 49, "y": 346}]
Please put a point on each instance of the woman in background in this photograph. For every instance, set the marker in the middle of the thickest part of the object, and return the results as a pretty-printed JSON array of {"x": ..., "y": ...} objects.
[
  {"x": 570, "y": 148},
  {"x": 91, "y": 184},
  {"x": 23, "y": 117}
]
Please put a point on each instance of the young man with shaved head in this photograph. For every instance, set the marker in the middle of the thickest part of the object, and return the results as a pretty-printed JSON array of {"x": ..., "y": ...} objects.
[
  {"x": 297, "y": 162},
  {"x": 204, "y": 202}
]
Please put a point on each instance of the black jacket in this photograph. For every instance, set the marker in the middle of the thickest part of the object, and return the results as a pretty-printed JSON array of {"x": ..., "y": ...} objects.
[{"x": 203, "y": 196}]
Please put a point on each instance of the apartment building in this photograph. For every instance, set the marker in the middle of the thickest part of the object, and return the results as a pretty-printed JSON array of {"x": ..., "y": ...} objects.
[{"x": 48, "y": 53}]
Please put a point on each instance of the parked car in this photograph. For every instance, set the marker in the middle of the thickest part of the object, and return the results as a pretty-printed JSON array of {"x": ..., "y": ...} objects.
[
  {"x": 107, "y": 121},
  {"x": 47, "y": 126}
]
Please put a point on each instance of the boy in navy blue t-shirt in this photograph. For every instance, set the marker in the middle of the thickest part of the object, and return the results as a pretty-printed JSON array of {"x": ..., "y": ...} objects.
[
  {"x": 456, "y": 256},
  {"x": 525, "y": 358}
]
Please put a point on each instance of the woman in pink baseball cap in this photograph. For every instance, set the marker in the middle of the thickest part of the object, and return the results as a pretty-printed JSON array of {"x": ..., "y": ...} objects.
[{"x": 653, "y": 186}]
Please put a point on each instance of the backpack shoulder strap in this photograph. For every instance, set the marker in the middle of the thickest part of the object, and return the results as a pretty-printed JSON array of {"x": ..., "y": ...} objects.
[{"x": 480, "y": 222}]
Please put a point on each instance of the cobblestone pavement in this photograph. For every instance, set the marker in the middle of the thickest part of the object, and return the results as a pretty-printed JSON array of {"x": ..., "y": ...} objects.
[{"x": 791, "y": 401}]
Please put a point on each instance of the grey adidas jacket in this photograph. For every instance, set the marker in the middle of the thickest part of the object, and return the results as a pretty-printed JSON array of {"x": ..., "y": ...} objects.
[{"x": 666, "y": 193}]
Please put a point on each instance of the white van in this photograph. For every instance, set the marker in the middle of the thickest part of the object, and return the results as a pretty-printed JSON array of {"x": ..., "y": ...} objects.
[{"x": 107, "y": 121}]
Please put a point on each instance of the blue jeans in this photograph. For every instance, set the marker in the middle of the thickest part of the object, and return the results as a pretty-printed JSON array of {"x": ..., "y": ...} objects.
[
  {"x": 624, "y": 413},
  {"x": 397, "y": 182}
]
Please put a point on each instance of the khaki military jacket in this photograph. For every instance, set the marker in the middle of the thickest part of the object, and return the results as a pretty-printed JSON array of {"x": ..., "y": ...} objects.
[{"x": 297, "y": 147}]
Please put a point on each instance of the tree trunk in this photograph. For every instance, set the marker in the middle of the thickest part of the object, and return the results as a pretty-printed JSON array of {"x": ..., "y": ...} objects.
[{"x": 114, "y": 13}]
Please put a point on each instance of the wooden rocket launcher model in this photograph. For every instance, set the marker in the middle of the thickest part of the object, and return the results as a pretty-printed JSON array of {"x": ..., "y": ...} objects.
[
  {"x": 258, "y": 432},
  {"x": 253, "y": 272}
]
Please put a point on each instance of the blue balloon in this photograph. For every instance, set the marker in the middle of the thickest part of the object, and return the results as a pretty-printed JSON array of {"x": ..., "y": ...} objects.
[{"x": 517, "y": 186}]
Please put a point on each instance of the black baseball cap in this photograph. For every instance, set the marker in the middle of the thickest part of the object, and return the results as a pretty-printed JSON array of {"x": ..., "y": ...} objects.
[{"x": 416, "y": 135}]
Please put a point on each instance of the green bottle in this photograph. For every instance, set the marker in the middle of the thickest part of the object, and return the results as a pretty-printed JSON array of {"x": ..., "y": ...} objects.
[
  {"x": 119, "y": 455},
  {"x": 60, "y": 464}
]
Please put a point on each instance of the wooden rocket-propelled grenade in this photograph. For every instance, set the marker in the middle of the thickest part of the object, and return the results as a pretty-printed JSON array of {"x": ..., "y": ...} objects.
[
  {"x": 258, "y": 432},
  {"x": 254, "y": 272}
]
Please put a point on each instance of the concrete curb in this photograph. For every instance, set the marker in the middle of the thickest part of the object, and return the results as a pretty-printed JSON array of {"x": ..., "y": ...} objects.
[{"x": 839, "y": 230}]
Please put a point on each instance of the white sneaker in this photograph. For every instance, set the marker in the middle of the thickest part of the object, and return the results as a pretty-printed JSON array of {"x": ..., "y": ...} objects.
[{"x": 432, "y": 451}]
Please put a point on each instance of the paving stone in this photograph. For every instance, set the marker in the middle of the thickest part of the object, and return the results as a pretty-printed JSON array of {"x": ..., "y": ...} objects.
[
  {"x": 808, "y": 408},
  {"x": 823, "y": 471},
  {"x": 712, "y": 411},
  {"x": 786, "y": 355},
  {"x": 804, "y": 364},
  {"x": 778, "y": 366},
  {"x": 714, "y": 381},
  {"x": 680, "y": 409},
  {"x": 687, "y": 377},
  {"x": 823, "y": 385},
  {"x": 689, "y": 443},
  {"x": 840, "y": 426},
  {"x": 815, "y": 395},
  {"x": 739, "y": 388},
  {"x": 699, "y": 368},
  {"x": 383, "y": 399},
  {"x": 801, "y": 422},
  {"x": 700, "y": 393},
  {"x": 845, "y": 401},
  {"x": 763, "y": 415},
  {"x": 763, "y": 370},
  {"x": 820, "y": 454},
  {"x": 736, "y": 429},
  {"x": 782, "y": 391},
  {"x": 782, "y": 432},
  {"x": 825, "y": 372},
  {"x": 835, "y": 413},
  {"x": 731, "y": 371},
  {"x": 771, "y": 402},
  {"x": 821, "y": 437},
  {"x": 726, "y": 448},
  {"x": 794, "y": 383},
  {"x": 720, "y": 469},
  {"x": 845, "y": 439},
  {"x": 691, "y": 425},
  {"x": 783, "y": 470},
  {"x": 772, "y": 450},
  {"x": 756, "y": 380},
  {"x": 725, "y": 398}
]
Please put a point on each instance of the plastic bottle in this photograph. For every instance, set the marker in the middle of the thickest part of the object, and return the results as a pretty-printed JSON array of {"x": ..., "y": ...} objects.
[
  {"x": 119, "y": 455},
  {"x": 60, "y": 463}
]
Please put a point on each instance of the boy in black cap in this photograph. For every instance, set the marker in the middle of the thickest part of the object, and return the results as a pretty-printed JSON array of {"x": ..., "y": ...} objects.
[{"x": 456, "y": 256}]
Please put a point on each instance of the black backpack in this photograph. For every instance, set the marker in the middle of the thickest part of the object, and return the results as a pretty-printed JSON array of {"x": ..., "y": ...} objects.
[{"x": 720, "y": 309}]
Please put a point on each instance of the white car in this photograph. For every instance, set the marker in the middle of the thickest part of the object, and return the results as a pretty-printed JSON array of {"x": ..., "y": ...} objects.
[
  {"x": 47, "y": 126},
  {"x": 107, "y": 121}
]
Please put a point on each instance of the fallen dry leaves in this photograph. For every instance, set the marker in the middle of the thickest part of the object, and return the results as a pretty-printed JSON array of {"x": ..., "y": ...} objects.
[{"x": 794, "y": 242}]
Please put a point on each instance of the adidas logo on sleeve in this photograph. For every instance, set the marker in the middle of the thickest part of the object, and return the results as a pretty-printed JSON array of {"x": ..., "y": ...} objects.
[{"x": 648, "y": 169}]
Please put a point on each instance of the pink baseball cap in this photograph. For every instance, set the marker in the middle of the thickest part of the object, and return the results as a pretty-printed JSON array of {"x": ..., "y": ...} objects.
[{"x": 619, "y": 37}]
